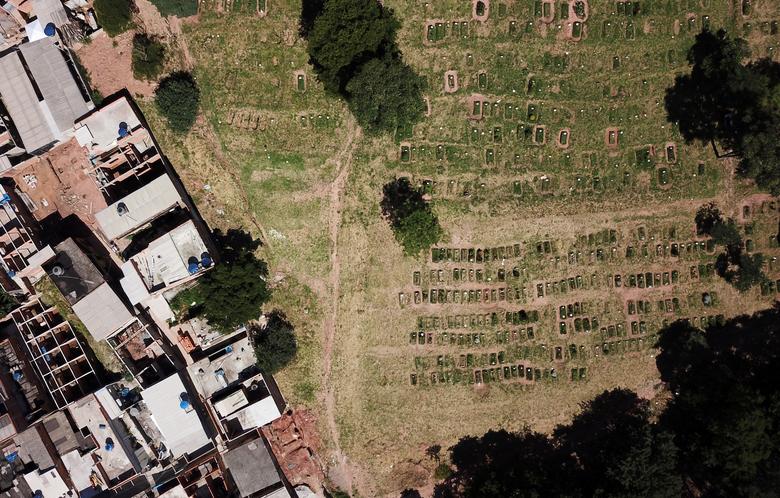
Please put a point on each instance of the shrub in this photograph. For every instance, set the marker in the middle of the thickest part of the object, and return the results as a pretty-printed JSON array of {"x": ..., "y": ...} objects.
[
  {"x": 275, "y": 344},
  {"x": 442, "y": 472},
  {"x": 413, "y": 222},
  {"x": 8, "y": 303},
  {"x": 114, "y": 16},
  {"x": 178, "y": 97},
  {"x": 179, "y": 8},
  {"x": 148, "y": 57}
]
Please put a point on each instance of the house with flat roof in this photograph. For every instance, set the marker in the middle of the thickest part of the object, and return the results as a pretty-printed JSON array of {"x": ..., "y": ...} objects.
[
  {"x": 254, "y": 472},
  {"x": 237, "y": 395},
  {"x": 173, "y": 411}
]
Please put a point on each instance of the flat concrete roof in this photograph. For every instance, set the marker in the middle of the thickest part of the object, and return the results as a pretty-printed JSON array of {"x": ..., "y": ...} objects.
[
  {"x": 252, "y": 468},
  {"x": 139, "y": 208},
  {"x": 50, "y": 11},
  {"x": 56, "y": 82},
  {"x": 165, "y": 260},
  {"x": 102, "y": 312},
  {"x": 32, "y": 119},
  {"x": 181, "y": 428},
  {"x": 103, "y": 125},
  {"x": 79, "y": 276},
  {"x": 221, "y": 369},
  {"x": 49, "y": 483}
]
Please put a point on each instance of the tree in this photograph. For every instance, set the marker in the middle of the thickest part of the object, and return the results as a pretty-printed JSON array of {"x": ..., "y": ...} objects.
[
  {"x": 8, "y": 303},
  {"x": 275, "y": 344},
  {"x": 619, "y": 451},
  {"x": 114, "y": 16},
  {"x": 148, "y": 57},
  {"x": 344, "y": 35},
  {"x": 178, "y": 97},
  {"x": 385, "y": 94},
  {"x": 726, "y": 234},
  {"x": 749, "y": 272},
  {"x": 413, "y": 222},
  {"x": 707, "y": 217},
  {"x": 734, "y": 103}
]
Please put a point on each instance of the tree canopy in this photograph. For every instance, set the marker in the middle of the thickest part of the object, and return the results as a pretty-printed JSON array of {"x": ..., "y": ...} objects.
[
  {"x": 8, "y": 303},
  {"x": 384, "y": 94},
  {"x": 148, "y": 57},
  {"x": 351, "y": 45},
  {"x": 233, "y": 292},
  {"x": 275, "y": 344},
  {"x": 725, "y": 100},
  {"x": 414, "y": 223},
  {"x": 716, "y": 436},
  {"x": 114, "y": 16},
  {"x": 177, "y": 97}
]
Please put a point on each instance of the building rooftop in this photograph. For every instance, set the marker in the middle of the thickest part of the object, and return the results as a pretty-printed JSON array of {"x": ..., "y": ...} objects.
[
  {"x": 168, "y": 259},
  {"x": 102, "y": 312},
  {"x": 223, "y": 368},
  {"x": 253, "y": 469},
  {"x": 50, "y": 11},
  {"x": 139, "y": 208},
  {"x": 59, "y": 84},
  {"x": 49, "y": 483},
  {"x": 99, "y": 131},
  {"x": 73, "y": 272},
  {"x": 32, "y": 118},
  {"x": 180, "y": 427}
]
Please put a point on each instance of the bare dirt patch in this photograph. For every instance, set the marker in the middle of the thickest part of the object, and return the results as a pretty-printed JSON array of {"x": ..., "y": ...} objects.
[
  {"x": 108, "y": 62},
  {"x": 451, "y": 82}
]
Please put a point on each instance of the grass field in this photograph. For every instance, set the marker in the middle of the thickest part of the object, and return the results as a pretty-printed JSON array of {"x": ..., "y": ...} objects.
[{"x": 567, "y": 159}]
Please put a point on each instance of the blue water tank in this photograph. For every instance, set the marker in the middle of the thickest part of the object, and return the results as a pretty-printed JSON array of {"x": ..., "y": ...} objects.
[
  {"x": 184, "y": 404},
  {"x": 109, "y": 445},
  {"x": 50, "y": 29},
  {"x": 18, "y": 375},
  {"x": 123, "y": 130},
  {"x": 205, "y": 260}
]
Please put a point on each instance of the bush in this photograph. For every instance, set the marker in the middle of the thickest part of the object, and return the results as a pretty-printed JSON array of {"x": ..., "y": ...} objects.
[
  {"x": 178, "y": 97},
  {"x": 178, "y": 8},
  {"x": 275, "y": 344},
  {"x": 8, "y": 303},
  {"x": 385, "y": 94},
  {"x": 148, "y": 57},
  {"x": 114, "y": 16},
  {"x": 442, "y": 472},
  {"x": 414, "y": 225}
]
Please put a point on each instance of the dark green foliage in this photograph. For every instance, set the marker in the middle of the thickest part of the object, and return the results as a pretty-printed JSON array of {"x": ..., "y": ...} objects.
[
  {"x": 410, "y": 493},
  {"x": 746, "y": 271},
  {"x": 234, "y": 291},
  {"x": 178, "y": 97},
  {"x": 351, "y": 45},
  {"x": 413, "y": 222},
  {"x": 726, "y": 234},
  {"x": 384, "y": 94},
  {"x": 8, "y": 303},
  {"x": 178, "y": 8},
  {"x": 707, "y": 217},
  {"x": 148, "y": 57},
  {"x": 442, "y": 471},
  {"x": 346, "y": 34},
  {"x": 723, "y": 100},
  {"x": 95, "y": 95},
  {"x": 337, "y": 493},
  {"x": 724, "y": 414},
  {"x": 275, "y": 344},
  {"x": 115, "y": 16}
]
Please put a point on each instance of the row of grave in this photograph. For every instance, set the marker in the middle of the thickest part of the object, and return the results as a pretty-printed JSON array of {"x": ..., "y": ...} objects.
[
  {"x": 508, "y": 373},
  {"x": 475, "y": 254},
  {"x": 477, "y": 320},
  {"x": 457, "y": 296},
  {"x": 461, "y": 274}
]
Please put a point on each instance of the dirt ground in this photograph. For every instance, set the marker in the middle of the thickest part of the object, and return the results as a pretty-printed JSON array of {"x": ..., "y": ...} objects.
[{"x": 108, "y": 62}]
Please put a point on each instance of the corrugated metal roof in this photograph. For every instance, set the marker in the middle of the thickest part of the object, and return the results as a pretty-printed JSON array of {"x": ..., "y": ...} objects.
[
  {"x": 143, "y": 205},
  {"x": 56, "y": 82},
  {"x": 102, "y": 312},
  {"x": 27, "y": 113}
]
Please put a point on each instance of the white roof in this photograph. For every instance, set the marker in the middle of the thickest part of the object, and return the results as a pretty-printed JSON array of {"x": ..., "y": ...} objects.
[
  {"x": 181, "y": 429},
  {"x": 34, "y": 30},
  {"x": 257, "y": 414},
  {"x": 145, "y": 204},
  {"x": 49, "y": 483},
  {"x": 31, "y": 117},
  {"x": 165, "y": 260},
  {"x": 103, "y": 125},
  {"x": 131, "y": 283},
  {"x": 102, "y": 312},
  {"x": 56, "y": 82}
]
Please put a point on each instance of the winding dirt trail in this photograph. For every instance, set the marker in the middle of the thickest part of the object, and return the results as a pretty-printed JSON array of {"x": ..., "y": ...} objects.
[{"x": 340, "y": 472}]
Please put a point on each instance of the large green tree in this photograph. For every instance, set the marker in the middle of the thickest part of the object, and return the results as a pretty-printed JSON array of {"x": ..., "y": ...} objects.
[
  {"x": 728, "y": 101},
  {"x": 414, "y": 223},
  {"x": 275, "y": 344},
  {"x": 178, "y": 98},
  {"x": 344, "y": 35},
  {"x": 385, "y": 94}
]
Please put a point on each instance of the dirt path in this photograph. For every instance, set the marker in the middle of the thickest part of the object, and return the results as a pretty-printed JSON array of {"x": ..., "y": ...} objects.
[{"x": 340, "y": 472}]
